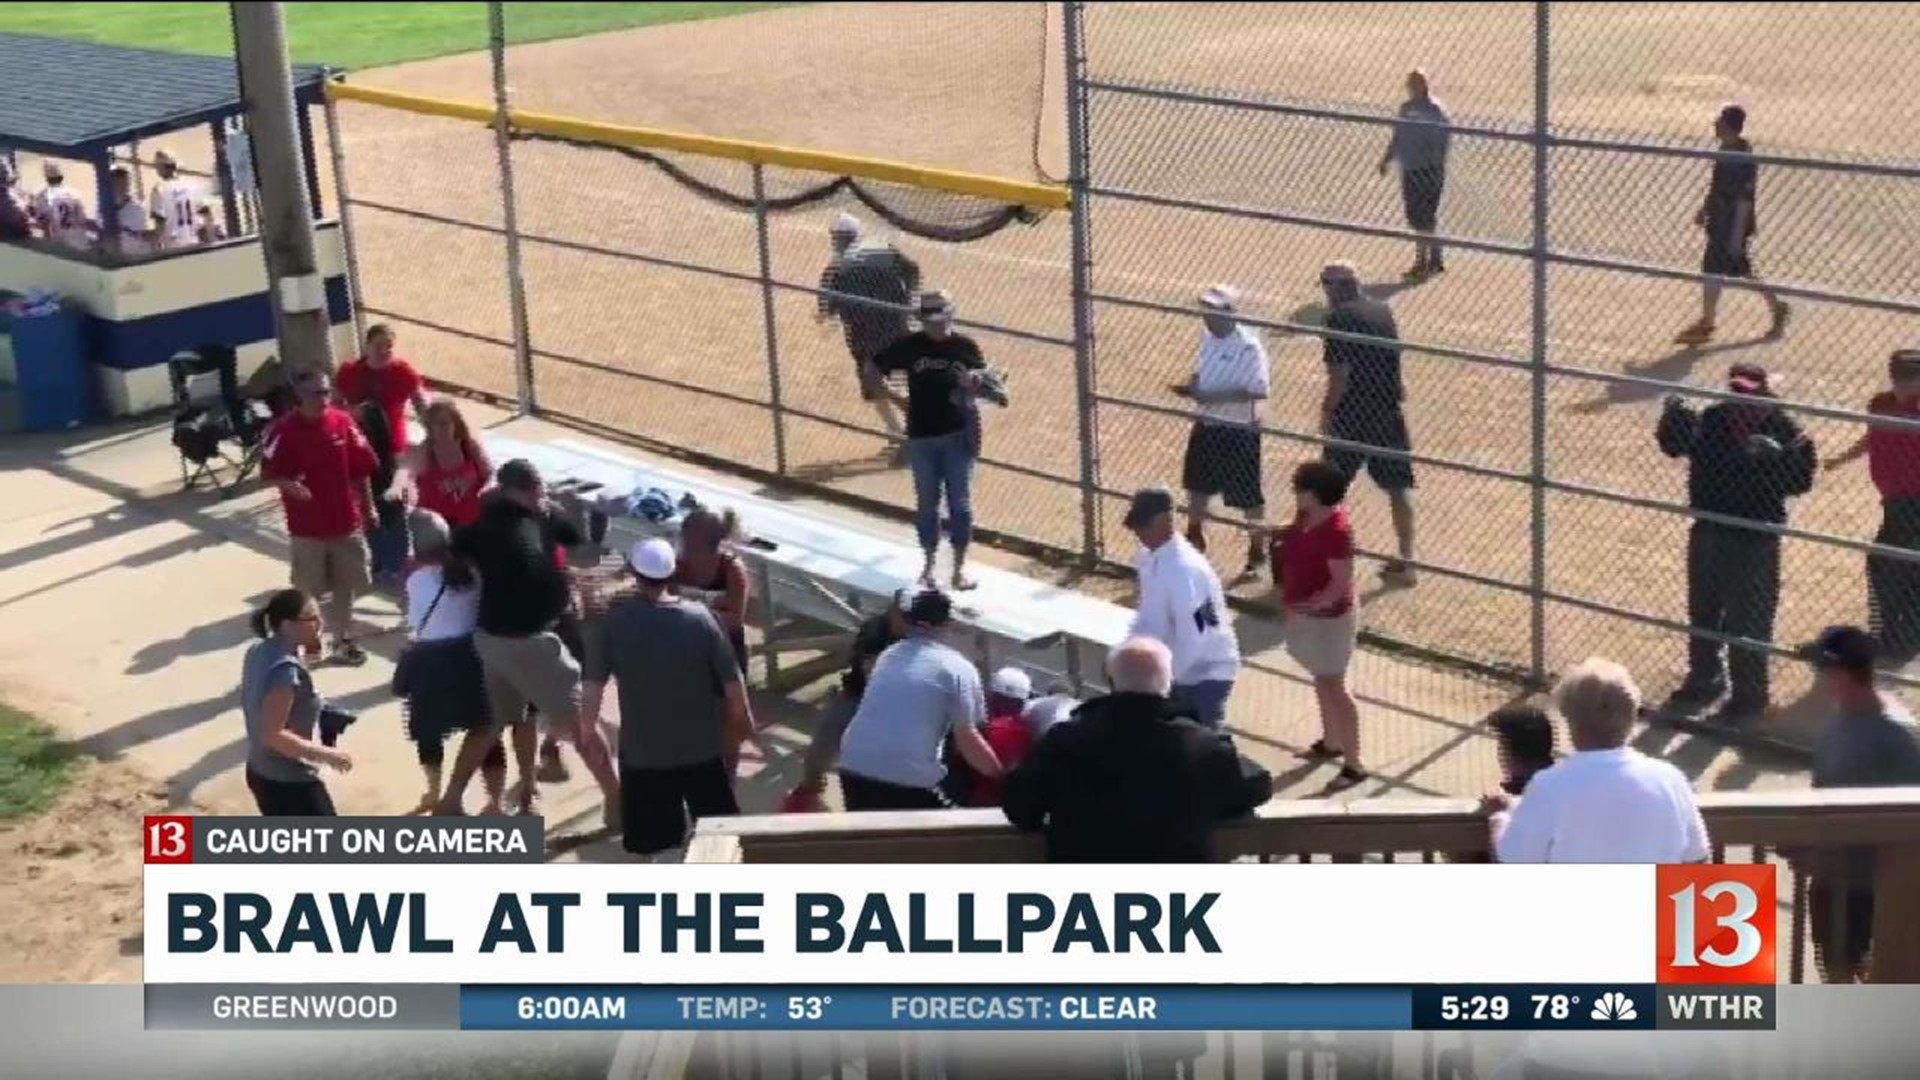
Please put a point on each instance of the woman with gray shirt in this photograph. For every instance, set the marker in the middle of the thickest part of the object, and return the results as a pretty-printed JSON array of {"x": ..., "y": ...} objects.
[{"x": 282, "y": 711}]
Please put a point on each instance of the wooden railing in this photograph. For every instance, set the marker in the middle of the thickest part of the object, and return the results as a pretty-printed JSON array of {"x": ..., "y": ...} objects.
[{"x": 1808, "y": 826}]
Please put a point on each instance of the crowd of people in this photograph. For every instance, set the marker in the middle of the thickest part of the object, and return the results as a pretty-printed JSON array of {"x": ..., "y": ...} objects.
[{"x": 175, "y": 215}]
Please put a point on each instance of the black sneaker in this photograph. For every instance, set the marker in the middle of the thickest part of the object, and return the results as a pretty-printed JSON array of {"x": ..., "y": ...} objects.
[
  {"x": 349, "y": 654},
  {"x": 1740, "y": 713},
  {"x": 551, "y": 770},
  {"x": 1696, "y": 693}
]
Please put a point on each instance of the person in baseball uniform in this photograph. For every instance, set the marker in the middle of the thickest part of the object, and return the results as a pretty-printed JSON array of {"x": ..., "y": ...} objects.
[
  {"x": 868, "y": 288},
  {"x": 62, "y": 216},
  {"x": 174, "y": 204}
]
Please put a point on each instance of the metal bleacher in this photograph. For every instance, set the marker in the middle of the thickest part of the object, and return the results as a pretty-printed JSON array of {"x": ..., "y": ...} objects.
[{"x": 816, "y": 577}]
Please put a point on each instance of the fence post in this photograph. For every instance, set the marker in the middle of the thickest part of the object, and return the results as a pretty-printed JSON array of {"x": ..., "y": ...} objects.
[
  {"x": 338, "y": 152},
  {"x": 1082, "y": 256},
  {"x": 510, "y": 217},
  {"x": 1537, "y": 650},
  {"x": 766, "y": 314}
]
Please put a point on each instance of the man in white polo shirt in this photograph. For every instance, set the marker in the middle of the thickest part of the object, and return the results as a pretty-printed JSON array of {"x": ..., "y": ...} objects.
[
  {"x": 1606, "y": 802},
  {"x": 1230, "y": 380},
  {"x": 1183, "y": 607}
]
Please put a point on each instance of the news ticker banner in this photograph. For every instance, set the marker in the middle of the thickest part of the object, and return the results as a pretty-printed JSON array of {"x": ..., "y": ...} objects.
[{"x": 457, "y": 923}]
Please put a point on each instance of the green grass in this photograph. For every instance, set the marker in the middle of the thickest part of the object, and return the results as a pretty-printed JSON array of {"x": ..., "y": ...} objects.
[
  {"x": 351, "y": 36},
  {"x": 34, "y": 766}
]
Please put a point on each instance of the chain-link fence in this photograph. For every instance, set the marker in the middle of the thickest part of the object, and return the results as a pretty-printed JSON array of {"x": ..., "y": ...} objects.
[
  {"x": 1558, "y": 506},
  {"x": 1571, "y": 148}
]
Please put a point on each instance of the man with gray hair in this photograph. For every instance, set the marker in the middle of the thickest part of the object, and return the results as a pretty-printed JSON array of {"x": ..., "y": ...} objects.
[
  {"x": 1606, "y": 802},
  {"x": 1133, "y": 776},
  {"x": 868, "y": 287},
  {"x": 1365, "y": 402}
]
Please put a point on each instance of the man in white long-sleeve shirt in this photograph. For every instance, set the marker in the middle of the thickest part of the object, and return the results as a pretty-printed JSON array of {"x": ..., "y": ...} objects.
[{"x": 1183, "y": 607}]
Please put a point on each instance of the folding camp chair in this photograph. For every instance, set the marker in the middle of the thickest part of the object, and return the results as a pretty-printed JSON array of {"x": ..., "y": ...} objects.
[{"x": 225, "y": 427}]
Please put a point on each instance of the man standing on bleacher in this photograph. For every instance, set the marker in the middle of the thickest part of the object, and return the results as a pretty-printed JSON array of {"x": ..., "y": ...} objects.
[{"x": 1183, "y": 607}]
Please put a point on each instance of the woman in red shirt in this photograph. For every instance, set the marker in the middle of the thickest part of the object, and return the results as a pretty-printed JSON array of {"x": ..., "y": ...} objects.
[
  {"x": 1893, "y": 462},
  {"x": 447, "y": 472},
  {"x": 1313, "y": 574}
]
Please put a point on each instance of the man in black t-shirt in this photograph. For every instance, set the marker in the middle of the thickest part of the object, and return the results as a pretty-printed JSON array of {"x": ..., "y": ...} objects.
[
  {"x": 1728, "y": 217},
  {"x": 875, "y": 272},
  {"x": 1365, "y": 403},
  {"x": 524, "y": 592},
  {"x": 944, "y": 371}
]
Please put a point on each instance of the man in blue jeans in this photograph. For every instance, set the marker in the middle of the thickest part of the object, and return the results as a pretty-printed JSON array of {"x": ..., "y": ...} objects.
[{"x": 944, "y": 371}]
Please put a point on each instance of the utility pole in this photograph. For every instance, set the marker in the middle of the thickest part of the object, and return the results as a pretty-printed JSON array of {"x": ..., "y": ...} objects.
[{"x": 298, "y": 291}]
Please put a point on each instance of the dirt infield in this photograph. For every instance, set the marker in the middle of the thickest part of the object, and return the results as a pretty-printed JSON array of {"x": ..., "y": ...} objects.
[{"x": 962, "y": 86}]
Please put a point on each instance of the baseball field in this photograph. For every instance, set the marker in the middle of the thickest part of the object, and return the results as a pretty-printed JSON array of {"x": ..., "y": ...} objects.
[{"x": 975, "y": 87}]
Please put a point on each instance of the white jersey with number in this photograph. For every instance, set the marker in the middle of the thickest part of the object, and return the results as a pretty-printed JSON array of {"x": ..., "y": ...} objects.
[
  {"x": 62, "y": 214},
  {"x": 175, "y": 204}
]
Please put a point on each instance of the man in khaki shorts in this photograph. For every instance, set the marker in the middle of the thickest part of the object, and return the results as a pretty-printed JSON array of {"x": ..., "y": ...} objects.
[
  {"x": 523, "y": 594},
  {"x": 318, "y": 458}
]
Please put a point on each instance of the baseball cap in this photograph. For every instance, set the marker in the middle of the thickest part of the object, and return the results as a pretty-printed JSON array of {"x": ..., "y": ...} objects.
[
  {"x": 652, "y": 559},
  {"x": 1147, "y": 504},
  {"x": 1904, "y": 363},
  {"x": 1011, "y": 682},
  {"x": 935, "y": 304},
  {"x": 845, "y": 225},
  {"x": 1339, "y": 270},
  {"x": 52, "y": 170},
  {"x": 1749, "y": 378},
  {"x": 1043, "y": 713},
  {"x": 161, "y": 157},
  {"x": 1221, "y": 298},
  {"x": 1847, "y": 648},
  {"x": 518, "y": 475},
  {"x": 930, "y": 607}
]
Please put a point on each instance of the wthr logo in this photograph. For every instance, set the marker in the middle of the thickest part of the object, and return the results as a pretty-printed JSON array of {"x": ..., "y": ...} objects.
[{"x": 1716, "y": 924}]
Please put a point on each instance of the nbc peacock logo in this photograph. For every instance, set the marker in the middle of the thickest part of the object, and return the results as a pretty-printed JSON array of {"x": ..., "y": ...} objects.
[{"x": 1613, "y": 1006}]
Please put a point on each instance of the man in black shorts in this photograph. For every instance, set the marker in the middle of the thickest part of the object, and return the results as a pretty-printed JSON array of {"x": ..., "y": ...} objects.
[
  {"x": 1230, "y": 380},
  {"x": 1728, "y": 218},
  {"x": 1364, "y": 402},
  {"x": 875, "y": 272},
  {"x": 681, "y": 696}
]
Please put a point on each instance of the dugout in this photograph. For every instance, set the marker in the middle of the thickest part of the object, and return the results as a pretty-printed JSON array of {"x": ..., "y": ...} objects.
[{"x": 92, "y": 107}]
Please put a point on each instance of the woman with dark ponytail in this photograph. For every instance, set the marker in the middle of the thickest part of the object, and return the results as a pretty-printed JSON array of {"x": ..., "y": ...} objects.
[
  {"x": 282, "y": 711},
  {"x": 709, "y": 571}
]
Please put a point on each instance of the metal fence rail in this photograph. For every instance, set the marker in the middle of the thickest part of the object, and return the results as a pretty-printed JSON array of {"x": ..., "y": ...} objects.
[{"x": 1567, "y": 243}]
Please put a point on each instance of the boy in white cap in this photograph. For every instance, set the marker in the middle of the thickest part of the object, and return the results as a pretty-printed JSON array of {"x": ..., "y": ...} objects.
[
  {"x": 868, "y": 287},
  {"x": 683, "y": 704},
  {"x": 1230, "y": 380}
]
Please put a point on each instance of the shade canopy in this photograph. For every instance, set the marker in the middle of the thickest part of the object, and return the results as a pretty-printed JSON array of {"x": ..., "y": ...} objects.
[{"x": 77, "y": 99}]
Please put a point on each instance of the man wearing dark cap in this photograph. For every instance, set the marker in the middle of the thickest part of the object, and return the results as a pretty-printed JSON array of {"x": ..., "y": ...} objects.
[
  {"x": 1182, "y": 606},
  {"x": 524, "y": 592},
  {"x": 1745, "y": 457},
  {"x": 1230, "y": 380},
  {"x": 1891, "y": 445},
  {"x": 1871, "y": 742},
  {"x": 921, "y": 691},
  {"x": 682, "y": 704},
  {"x": 1728, "y": 218},
  {"x": 1365, "y": 403},
  {"x": 943, "y": 371},
  {"x": 872, "y": 285}
]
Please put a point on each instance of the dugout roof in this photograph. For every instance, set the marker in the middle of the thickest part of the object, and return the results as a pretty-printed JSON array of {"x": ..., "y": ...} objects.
[{"x": 75, "y": 99}]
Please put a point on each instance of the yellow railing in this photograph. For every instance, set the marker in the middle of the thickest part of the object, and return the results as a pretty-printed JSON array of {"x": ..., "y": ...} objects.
[{"x": 1017, "y": 192}]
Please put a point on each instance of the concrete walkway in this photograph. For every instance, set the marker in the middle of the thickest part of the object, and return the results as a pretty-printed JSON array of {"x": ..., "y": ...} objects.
[{"x": 123, "y": 606}]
